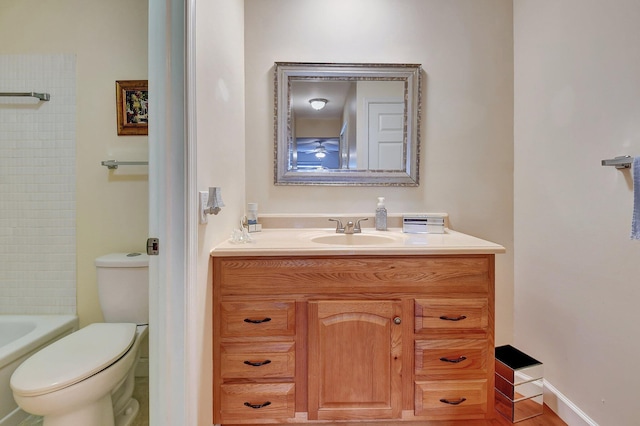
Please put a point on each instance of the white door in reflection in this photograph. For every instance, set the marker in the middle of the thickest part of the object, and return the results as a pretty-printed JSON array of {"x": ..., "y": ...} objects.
[{"x": 386, "y": 135}]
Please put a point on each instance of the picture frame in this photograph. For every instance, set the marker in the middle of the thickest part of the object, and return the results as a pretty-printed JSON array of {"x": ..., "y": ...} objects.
[{"x": 132, "y": 107}]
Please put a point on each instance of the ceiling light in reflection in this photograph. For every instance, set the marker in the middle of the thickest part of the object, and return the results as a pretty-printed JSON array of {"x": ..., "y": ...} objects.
[{"x": 318, "y": 103}]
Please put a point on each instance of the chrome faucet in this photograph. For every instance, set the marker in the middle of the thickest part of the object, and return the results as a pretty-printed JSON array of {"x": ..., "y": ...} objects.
[{"x": 351, "y": 228}]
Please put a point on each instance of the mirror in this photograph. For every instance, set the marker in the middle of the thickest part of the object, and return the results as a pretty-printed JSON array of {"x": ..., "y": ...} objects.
[{"x": 347, "y": 124}]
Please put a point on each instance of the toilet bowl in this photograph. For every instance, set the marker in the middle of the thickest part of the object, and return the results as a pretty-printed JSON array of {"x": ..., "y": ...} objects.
[{"x": 87, "y": 378}]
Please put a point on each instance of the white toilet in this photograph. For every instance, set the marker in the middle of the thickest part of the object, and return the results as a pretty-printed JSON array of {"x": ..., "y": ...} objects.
[{"x": 87, "y": 378}]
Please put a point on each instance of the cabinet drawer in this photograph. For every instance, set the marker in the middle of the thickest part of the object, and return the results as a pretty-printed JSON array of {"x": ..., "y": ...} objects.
[
  {"x": 472, "y": 274},
  {"x": 257, "y": 401},
  {"x": 257, "y": 360},
  {"x": 450, "y": 398},
  {"x": 451, "y": 314},
  {"x": 451, "y": 357},
  {"x": 254, "y": 319}
]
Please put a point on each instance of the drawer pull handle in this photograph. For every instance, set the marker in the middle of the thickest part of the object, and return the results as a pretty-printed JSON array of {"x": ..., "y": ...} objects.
[
  {"x": 453, "y": 360},
  {"x": 252, "y": 321},
  {"x": 259, "y": 363},
  {"x": 457, "y": 402},
  {"x": 257, "y": 406},
  {"x": 448, "y": 318}
]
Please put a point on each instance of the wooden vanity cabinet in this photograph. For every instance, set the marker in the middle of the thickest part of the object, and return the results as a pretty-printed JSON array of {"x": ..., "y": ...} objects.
[{"x": 318, "y": 339}]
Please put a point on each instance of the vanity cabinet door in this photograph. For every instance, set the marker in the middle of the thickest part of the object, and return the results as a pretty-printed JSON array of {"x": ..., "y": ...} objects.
[{"x": 355, "y": 361}]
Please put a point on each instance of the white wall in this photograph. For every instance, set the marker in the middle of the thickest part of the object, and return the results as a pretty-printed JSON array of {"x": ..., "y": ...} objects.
[
  {"x": 109, "y": 41},
  {"x": 466, "y": 50},
  {"x": 220, "y": 150},
  {"x": 577, "y": 101}
]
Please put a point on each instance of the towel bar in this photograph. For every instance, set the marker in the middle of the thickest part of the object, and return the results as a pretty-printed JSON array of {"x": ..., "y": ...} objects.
[
  {"x": 41, "y": 96},
  {"x": 622, "y": 162},
  {"x": 113, "y": 164}
]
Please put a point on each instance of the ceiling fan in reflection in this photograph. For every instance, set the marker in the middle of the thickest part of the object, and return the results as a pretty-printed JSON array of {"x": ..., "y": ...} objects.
[{"x": 320, "y": 151}]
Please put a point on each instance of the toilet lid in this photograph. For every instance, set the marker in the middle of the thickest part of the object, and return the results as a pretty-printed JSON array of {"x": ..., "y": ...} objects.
[{"x": 73, "y": 358}]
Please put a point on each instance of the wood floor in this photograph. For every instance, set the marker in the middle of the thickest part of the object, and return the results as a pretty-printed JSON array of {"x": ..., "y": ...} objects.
[{"x": 548, "y": 418}]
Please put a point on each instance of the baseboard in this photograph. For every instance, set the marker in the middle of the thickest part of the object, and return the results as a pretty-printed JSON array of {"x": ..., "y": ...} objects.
[
  {"x": 564, "y": 408},
  {"x": 14, "y": 418}
]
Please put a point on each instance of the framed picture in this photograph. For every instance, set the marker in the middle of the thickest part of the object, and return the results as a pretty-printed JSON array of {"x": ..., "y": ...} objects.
[{"x": 132, "y": 106}]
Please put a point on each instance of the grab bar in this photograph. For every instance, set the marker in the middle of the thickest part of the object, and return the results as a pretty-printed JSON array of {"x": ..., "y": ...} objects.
[
  {"x": 621, "y": 162},
  {"x": 41, "y": 96},
  {"x": 113, "y": 164}
]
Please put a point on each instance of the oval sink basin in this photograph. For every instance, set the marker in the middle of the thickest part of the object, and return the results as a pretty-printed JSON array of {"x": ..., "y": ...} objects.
[{"x": 353, "y": 239}]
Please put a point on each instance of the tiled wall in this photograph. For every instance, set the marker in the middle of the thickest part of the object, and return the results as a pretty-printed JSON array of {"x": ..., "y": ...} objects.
[{"x": 37, "y": 186}]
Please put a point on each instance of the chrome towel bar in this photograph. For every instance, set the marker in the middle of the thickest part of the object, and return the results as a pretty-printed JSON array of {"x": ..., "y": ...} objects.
[
  {"x": 113, "y": 164},
  {"x": 41, "y": 96},
  {"x": 622, "y": 162}
]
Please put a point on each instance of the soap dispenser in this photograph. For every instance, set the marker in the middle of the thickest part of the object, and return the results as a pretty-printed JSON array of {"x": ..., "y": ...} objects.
[
  {"x": 252, "y": 218},
  {"x": 381, "y": 215}
]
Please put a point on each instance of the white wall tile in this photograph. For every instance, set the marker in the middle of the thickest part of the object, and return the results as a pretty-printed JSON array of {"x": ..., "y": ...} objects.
[{"x": 37, "y": 186}]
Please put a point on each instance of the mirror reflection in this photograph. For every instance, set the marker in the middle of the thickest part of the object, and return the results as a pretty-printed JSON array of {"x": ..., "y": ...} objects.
[
  {"x": 342, "y": 124},
  {"x": 347, "y": 125}
]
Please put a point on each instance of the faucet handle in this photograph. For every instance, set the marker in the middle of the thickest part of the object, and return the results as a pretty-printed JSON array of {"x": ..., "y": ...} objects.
[
  {"x": 339, "y": 227},
  {"x": 357, "y": 228}
]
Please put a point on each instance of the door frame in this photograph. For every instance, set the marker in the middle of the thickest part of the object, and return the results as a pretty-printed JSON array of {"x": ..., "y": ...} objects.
[{"x": 173, "y": 366}]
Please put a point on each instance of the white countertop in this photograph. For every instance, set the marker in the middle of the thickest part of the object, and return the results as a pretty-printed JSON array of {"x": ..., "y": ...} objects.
[{"x": 299, "y": 242}]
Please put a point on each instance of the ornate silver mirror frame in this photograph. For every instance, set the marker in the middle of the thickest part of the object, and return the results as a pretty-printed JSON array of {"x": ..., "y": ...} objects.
[{"x": 295, "y": 81}]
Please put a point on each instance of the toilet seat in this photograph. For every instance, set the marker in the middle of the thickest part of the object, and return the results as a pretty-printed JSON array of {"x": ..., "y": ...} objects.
[{"x": 73, "y": 358}]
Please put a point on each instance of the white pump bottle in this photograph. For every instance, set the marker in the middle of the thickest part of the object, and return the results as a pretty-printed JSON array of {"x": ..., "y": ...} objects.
[{"x": 381, "y": 215}]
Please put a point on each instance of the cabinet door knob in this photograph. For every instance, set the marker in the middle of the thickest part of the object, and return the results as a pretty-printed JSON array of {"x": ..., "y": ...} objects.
[{"x": 397, "y": 320}]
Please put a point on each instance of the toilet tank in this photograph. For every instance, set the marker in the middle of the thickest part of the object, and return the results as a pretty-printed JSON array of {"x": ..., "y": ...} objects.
[{"x": 123, "y": 287}]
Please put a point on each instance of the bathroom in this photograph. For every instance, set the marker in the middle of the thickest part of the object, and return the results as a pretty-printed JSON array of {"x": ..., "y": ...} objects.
[{"x": 522, "y": 101}]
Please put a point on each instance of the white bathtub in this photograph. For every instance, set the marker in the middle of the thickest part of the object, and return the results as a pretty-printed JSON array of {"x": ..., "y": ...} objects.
[{"x": 20, "y": 337}]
